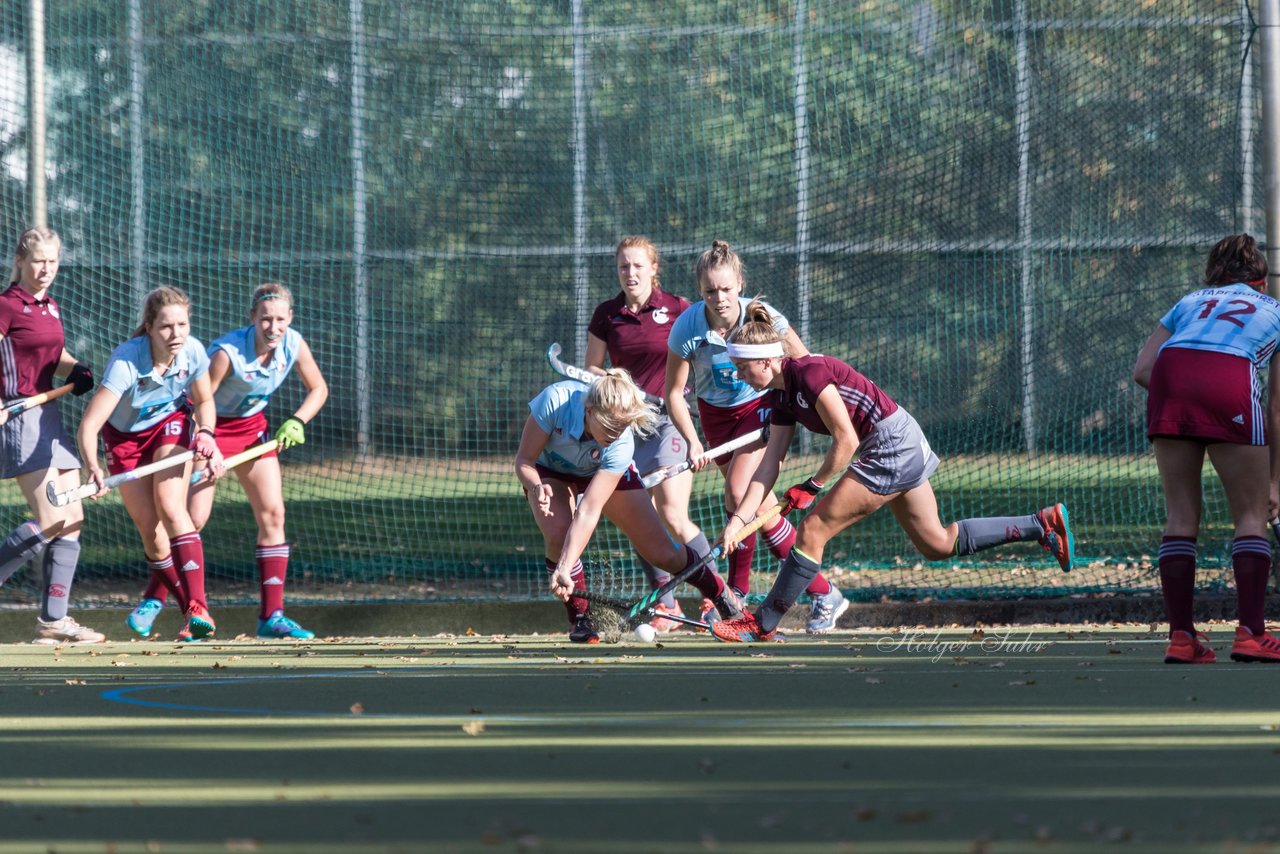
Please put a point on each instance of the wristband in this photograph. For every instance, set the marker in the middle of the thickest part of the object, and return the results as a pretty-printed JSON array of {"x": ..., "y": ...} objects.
[
  {"x": 208, "y": 430},
  {"x": 811, "y": 486},
  {"x": 739, "y": 518}
]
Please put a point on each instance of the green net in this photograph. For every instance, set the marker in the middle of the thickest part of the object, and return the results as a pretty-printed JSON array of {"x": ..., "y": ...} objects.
[{"x": 983, "y": 206}]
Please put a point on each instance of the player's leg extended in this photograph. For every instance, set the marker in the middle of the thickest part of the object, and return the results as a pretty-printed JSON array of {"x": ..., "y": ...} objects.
[
  {"x": 1240, "y": 468},
  {"x": 169, "y": 491},
  {"x": 263, "y": 488},
  {"x": 737, "y": 476},
  {"x": 631, "y": 511},
  {"x": 553, "y": 529},
  {"x": 162, "y": 574},
  {"x": 58, "y": 562},
  {"x": 671, "y": 500}
]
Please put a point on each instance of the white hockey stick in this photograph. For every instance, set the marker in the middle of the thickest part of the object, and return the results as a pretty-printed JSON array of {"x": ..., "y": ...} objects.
[
  {"x": 80, "y": 493},
  {"x": 236, "y": 459},
  {"x": 582, "y": 375},
  {"x": 17, "y": 407},
  {"x": 654, "y": 478}
]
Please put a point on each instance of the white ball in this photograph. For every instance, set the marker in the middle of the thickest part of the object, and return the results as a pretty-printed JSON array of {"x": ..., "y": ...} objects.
[{"x": 646, "y": 632}]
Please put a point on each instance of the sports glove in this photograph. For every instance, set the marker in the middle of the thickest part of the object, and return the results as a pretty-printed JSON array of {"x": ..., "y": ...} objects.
[
  {"x": 291, "y": 433},
  {"x": 81, "y": 379},
  {"x": 204, "y": 444},
  {"x": 802, "y": 495}
]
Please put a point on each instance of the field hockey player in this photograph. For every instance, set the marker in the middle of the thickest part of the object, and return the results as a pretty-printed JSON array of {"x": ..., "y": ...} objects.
[
  {"x": 878, "y": 456},
  {"x": 631, "y": 329},
  {"x": 577, "y": 445},
  {"x": 155, "y": 401},
  {"x": 729, "y": 408},
  {"x": 35, "y": 449},
  {"x": 246, "y": 366}
]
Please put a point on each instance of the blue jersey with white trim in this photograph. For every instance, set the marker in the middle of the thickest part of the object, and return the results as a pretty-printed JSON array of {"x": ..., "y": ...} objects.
[
  {"x": 147, "y": 396},
  {"x": 1234, "y": 319},
  {"x": 249, "y": 384},
  {"x": 560, "y": 411},
  {"x": 714, "y": 377}
]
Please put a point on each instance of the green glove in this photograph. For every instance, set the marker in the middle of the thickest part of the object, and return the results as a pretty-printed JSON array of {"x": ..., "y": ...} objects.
[{"x": 291, "y": 433}]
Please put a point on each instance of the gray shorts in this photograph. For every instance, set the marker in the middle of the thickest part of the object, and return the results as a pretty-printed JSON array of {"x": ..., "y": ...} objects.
[
  {"x": 36, "y": 441},
  {"x": 661, "y": 448},
  {"x": 895, "y": 457}
]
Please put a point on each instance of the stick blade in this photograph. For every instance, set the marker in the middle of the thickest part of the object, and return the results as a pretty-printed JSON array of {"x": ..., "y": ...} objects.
[{"x": 51, "y": 493}]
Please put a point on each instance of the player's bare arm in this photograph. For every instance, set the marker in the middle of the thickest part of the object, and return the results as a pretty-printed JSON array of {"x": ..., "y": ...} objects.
[
  {"x": 597, "y": 350},
  {"x": 585, "y": 519},
  {"x": 678, "y": 408},
  {"x": 532, "y": 440},
  {"x": 1147, "y": 355}
]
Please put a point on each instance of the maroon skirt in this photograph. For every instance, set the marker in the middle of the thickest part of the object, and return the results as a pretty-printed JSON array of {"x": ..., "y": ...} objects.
[{"x": 1207, "y": 396}]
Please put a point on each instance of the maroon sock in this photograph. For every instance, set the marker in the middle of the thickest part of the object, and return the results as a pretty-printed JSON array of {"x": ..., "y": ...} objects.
[
  {"x": 164, "y": 579},
  {"x": 575, "y": 607},
  {"x": 780, "y": 538},
  {"x": 273, "y": 561},
  {"x": 1178, "y": 581},
  {"x": 740, "y": 564},
  {"x": 819, "y": 586},
  {"x": 708, "y": 582},
  {"x": 1251, "y": 561},
  {"x": 188, "y": 555}
]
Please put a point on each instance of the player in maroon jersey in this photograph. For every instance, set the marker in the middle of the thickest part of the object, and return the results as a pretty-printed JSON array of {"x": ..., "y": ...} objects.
[
  {"x": 880, "y": 456},
  {"x": 35, "y": 448},
  {"x": 631, "y": 329}
]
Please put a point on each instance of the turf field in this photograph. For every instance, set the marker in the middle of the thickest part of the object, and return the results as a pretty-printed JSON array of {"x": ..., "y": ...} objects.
[{"x": 1010, "y": 741}]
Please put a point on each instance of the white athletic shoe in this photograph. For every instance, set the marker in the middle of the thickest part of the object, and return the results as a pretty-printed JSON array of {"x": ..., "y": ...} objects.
[
  {"x": 825, "y": 610},
  {"x": 66, "y": 630}
]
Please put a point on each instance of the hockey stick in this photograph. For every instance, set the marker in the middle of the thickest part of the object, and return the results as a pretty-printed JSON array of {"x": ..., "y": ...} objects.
[
  {"x": 582, "y": 375},
  {"x": 80, "y": 493},
  {"x": 17, "y": 407},
  {"x": 624, "y": 607},
  {"x": 647, "y": 602},
  {"x": 236, "y": 459},
  {"x": 656, "y": 477}
]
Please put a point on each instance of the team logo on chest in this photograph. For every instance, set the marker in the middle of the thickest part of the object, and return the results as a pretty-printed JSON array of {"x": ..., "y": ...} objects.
[
  {"x": 53, "y": 310},
  {"x": 595, "y": 455},
  {"x": 660, "y": 315}
]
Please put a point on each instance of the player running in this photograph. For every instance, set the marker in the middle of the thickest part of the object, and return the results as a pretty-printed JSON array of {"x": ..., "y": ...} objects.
[
  {"x": 246, "y": 366},
  {"x": 574, "y": 463},
  {"x": 729, "y": 408},
  {"x": 881, "y": 456},
  {"x": 1200, "y": 368},
  {"x": 154, "y": 402},
  {"x": 35, "y": 449},
  {"x": 632, "y": 329}
]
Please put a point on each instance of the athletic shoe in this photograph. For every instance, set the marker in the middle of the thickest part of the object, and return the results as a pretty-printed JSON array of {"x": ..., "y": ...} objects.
[
  {"x": 65, "y": 630},
  {"x": 1251, "y": 647},
  {"x": 824, "y": 610},
  {"x": 661, "y": 623},
  {"x": 199, "y": 623},
  {"x": 1058, "y": 538},
  {"x": 280, "y": 626},
  {"x": 584, "y": 630},
  {"x": 142, "y": 618},
  {"x": 743, "y": 629},
  {"x": 1185, "y": 648}
]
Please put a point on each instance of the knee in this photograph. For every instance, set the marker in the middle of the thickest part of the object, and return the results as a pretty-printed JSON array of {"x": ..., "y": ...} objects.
[{"x": 271, "y": 520}]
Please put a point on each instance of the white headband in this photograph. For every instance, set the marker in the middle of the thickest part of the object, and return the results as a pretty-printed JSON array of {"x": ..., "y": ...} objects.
[{"x": 754, "y": 351}]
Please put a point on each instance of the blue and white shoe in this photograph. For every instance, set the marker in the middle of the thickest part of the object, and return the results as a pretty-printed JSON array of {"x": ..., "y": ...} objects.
[
  {"x": 143, "y": 617},
  {"x": 824, "y": 610},
  {"x": 280, "y": 626}
]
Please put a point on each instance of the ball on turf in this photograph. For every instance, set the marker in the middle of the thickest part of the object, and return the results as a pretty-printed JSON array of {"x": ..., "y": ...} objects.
[{"x": 646, "y": 633}]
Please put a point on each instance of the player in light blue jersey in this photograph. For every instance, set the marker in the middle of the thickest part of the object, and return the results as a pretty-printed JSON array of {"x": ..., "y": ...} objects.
[
  {"x": 247, "y": 365},
  {"x": 574, "y": 463},
  {"x": 1200, "y": 368},
  {"x": 729, "y": 408},
  {"x": 154, "y": 401}
]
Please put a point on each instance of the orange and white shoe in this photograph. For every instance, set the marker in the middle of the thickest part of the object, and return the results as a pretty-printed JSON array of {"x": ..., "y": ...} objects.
[
  {"x": 199, "y": 623},
  {"x": 1185, "y": 648},
  {"x": 1251, "y": 647},
  {"x": 661, "y": 623}
]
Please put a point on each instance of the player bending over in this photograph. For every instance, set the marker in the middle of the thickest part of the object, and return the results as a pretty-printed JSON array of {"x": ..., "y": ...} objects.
[
  {"x": 882, "y": 457},
  {"x": 576, "y": 448},
  {"x": 154, "y": 402}
]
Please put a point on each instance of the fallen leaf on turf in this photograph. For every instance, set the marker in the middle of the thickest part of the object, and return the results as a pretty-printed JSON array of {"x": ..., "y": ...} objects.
[
  {"x": 122, "y": 664},
  {"x": 357, "y": 708},
  {"x": 82, "y": 682},
  {"x": 217, "y": 666},
  {"x": 473, "y": 727},
  {"x": 912, "y": 817},
  {"x": 1023, "y": 682},
  {"x": 871, "y": 680},
  {"x": 471, "y": 632}
]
